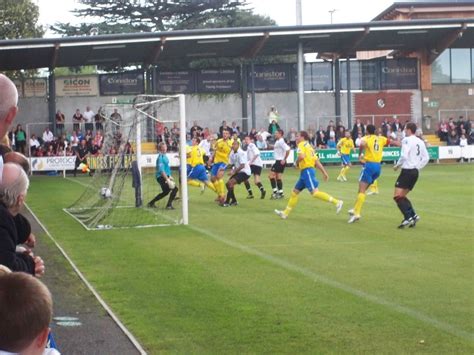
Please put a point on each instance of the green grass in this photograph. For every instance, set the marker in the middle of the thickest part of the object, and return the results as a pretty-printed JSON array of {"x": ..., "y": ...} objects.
[{"x": 240, "y": 280}]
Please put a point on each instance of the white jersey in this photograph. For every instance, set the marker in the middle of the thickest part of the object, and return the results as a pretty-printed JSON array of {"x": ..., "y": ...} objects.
[
  {"x": 254, "y": 152},
  {"x": 414, "y": 154},
  {"x": 238, "y": 158},
  {"x": 88, "y": 116},
  {"x": 279, "y": 149},
  {"x": 206, "y": 146}
]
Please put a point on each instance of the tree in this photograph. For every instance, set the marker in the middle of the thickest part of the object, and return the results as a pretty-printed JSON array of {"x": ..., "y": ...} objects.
[
  {"x": 149, "y": 15},
  {"x": 13, "y": 23},
  {"x": 235, "y": 18}
]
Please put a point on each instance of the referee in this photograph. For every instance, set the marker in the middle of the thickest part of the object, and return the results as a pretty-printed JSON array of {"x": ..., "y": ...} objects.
[{"x": 413, "y": 158}]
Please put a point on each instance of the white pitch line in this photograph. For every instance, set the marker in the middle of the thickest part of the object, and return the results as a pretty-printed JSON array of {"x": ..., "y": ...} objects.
[
  {"x": 117, "y": 321},
  {"x": 340, "y": 286}
]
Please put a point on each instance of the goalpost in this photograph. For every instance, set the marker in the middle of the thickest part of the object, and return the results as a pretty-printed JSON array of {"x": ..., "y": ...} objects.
[{"x": 123, "y": 171}]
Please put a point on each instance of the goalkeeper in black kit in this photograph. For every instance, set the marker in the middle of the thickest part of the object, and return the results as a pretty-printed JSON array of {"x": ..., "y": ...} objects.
[{"x": 163, "y": 177}]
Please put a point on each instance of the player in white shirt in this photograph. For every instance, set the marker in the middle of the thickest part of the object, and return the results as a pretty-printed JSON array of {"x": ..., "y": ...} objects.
[
  {"x": 413, "y": 158},
  {"x": 256, "y": 164},
  {"x": 240, "y": 172},
  {"x": 205, "y": 145},
  {"x": 281, "y": 150}
]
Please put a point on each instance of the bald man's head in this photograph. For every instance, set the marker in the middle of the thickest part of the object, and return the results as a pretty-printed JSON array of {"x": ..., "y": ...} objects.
[
  {"x": 8, "y": 103},
  {"x": 13, "y": 186}
]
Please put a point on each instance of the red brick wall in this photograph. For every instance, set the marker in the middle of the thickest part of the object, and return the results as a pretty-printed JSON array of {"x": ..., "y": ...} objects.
[{"x": 396, "y": 103}]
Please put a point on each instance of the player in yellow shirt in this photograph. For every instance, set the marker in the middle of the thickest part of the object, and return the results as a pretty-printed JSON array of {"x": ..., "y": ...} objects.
[
  {"x": 345, "y": 146},
  {"x": 306, "y": 161},
  {"x": 219, "y": 162},
  {"x": 370, "y": 155},
  {"x": 197, "y": 175}
]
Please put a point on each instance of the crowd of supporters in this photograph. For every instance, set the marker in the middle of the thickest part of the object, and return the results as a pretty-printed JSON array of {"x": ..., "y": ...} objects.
[{"x": 454, "y": 132}]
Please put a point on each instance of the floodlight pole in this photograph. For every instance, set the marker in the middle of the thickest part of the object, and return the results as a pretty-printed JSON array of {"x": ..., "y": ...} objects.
[
  {"x": 300, "y": 70},
  {"x": 182, "y": 153}
]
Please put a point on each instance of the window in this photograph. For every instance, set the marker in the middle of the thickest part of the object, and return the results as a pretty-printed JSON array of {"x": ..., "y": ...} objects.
[
  {"x": 441, "y": 69},
  {"x": 460, "y": 65}
]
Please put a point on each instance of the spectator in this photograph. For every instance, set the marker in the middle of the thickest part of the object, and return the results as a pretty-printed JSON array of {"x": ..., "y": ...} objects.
[
  {"x": 88, "y": 116},
  {"x": 235, "y": 128},
  {"x": 332, "y": 143},
  {"x": 34, "y": 144},
  {"x": 396, "y": 124},
  {"x": 99, "y": 119},
  {"x": 13, "y": 190},
  {"x": 48, "y": 136},
  {"x": 98, "y": 139},
  {"x": 340, "y": 133},
  {"x": 385, "y": 126},
  {"x": 195, "y": 129},
  {"x": 321, "y": 139},
  {"x": 26, "y": 309},
  {"x": 273, "y": 115},
  {"x": 50, "y": 152},
  {"x": 224, "y": 127},
  {"x": 291, "y": 138},
  {"x": 264, "y": 134},
  {"x": 11, "y": 139},
  {"x": 261, "y": 143},
  {"x": 358, "y": 140},
  {"x": 443, "y": 130},
  {"x": 74, "y": 140},
  {"x": 471, "y": 137},
  {"x": 77, "y": 119},
  {"x": 20, "y": 140},
  {"x": 453, "y": 138},
  {"x": 253, "y": 134},
  {"x": 60, "y": 119},
  {"x": 355, "y": 129},
  {"x": 273, "y": 128}
]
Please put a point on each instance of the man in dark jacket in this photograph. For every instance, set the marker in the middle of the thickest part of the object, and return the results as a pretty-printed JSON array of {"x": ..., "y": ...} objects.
[{"x": 13, "y": 229}]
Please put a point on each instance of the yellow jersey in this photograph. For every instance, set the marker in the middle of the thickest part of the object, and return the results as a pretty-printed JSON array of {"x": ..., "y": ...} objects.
[
  {"x": 373, "y": 151},
  {"x": 197, "y": 155},
  {"x": 309, "y": 156},
  {"x": 222, "y": 150},
  {"x": 345, "y": 145},
  {"x": 189, "y": 157}
]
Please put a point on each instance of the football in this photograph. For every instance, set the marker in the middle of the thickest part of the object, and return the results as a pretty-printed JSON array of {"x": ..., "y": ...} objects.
[{"x": 105, "y": 192}]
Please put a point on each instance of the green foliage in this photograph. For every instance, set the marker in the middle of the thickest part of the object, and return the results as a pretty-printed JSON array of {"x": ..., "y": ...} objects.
[
  {"x": 240, "y": 280},
  {"x": 18, "y": 19},
  {"x": 85, "y": 70},
  {"x": 147, "y": 16}
]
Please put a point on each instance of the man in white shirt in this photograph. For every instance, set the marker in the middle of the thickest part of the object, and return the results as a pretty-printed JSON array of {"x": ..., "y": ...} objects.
[
  {"x": 48, "y": 136},
  {"x": 256, "y": 164},
  {"x": 205, "y": 145},
  {"x": 240, "y": 172},
  {"x": 413, "y": 158},
  {"x": 281, "y": 150},
  {"x": 88, "y": 116}
]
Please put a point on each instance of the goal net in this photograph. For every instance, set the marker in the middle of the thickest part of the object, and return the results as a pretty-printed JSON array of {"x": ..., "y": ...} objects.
[{"x": 123, "y": 169}]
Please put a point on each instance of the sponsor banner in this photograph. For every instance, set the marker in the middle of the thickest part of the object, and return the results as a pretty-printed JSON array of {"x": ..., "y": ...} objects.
[
  {"x": 399, "y": 73},
  {"x": 317, "y": 77},
  {"x": 35, "y": 87},
  {"x": 389, "y": 154},
  {"x": 130, "y": 83},
  {"x": 53, "y": 163},
  {"x": 149, "y": 160},
  {"x": 271, "y": 77},
  {"x": 176, "y": 82},
  {"x": 218, "y": 80},
  {"x": 456, "y": 152},
  {"x": 77, "y": 85}
]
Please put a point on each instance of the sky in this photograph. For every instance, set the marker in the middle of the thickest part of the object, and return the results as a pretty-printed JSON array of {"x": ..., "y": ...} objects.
[{"x": 282, "y": 11}]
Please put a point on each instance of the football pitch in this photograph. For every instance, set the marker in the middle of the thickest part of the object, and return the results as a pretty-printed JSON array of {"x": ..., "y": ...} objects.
[{"x": 241, "y": 280}]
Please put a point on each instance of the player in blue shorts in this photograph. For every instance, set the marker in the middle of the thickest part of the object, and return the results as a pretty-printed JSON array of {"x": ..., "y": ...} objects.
[
  {"x": 344, "y": 147},
  {"x": 197, "y": 174}
]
